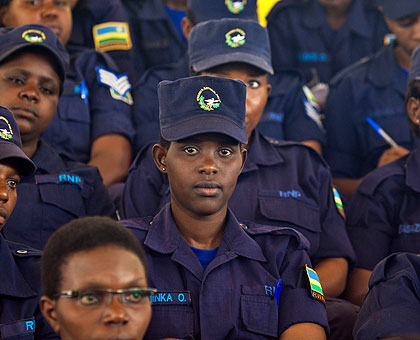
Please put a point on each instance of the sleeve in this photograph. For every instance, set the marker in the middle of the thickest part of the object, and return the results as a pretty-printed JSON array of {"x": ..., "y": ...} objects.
[
  {"x": 343, "y": 147},
  {"x": 146, "y": 190},
  {"x": 296, "y": 303}
]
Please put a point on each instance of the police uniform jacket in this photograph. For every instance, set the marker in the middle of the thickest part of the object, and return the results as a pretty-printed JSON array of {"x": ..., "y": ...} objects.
[
  {"x": 282, "y": 184},
  {"x": 392, "y": 306},
  {"x": 383, "y": 217},
  {"x": 233, "y": 297},
  {"x": 89, "y": 106},
  {"x": 20, "y": 290},
  {"x": 301, "y": 37},
  {"x": 375, "y": 87},
  {"x": 109, "y": 15},
  {"x": 288, "y": 114},
  {"x": 60, "y": 191}
]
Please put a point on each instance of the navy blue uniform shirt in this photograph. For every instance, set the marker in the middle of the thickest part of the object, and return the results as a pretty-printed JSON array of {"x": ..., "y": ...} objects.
[
  {"x": 20, "y": 290},
  {"x": 392, "y": 306},
  {"x": 374, "y": 87},
  {"x": 302, "y": 39},
  {"x": 156, "y": 39},
  {"x": 89, "y": 106},
  {"x": 59, "y": 192},
  {"x": 282, "y": 184},
  {"x": 288, "y": 113},
  {"x": 384, "y": 216},
  {"x": 103, "y": 25},
  {"x": 233, "y": 298}
]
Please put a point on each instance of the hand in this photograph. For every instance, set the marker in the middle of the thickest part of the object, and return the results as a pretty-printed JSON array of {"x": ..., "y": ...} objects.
[{"x": 392, "y": 154}]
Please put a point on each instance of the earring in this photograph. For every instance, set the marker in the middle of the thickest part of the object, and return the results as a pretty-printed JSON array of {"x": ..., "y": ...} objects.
[{"x": 163, "y": 169}]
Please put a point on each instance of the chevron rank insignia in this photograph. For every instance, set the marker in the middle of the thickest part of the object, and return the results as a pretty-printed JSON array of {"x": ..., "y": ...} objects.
[
  {"x": 119, "y": 83},
  {"x": 314, "y": 284}
]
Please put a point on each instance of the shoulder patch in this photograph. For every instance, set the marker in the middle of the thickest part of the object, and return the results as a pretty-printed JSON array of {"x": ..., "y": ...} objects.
[
  {"x": 338, "y": 202},
  {"x": 314, "y": 284},
  {"x": 119, "y": 83},
  {"x": 111, "y": 36},
  {"x": 312, "y": 107}
]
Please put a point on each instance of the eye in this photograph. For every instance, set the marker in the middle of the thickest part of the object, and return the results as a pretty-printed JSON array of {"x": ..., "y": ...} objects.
[
  {"x": 47, "y": 90},
  {"x": 12, "y": 183},
  {"x": 134, "y": 296},
  {"x": 16, "y": 80},
  {"x": 33, "y": 2},
  {"x": 190, "y": 150},
  {"x": 225, "y": 152},
  {"x": 61, "y": 3},
  {"x": 90, "y": 297},
  {"x": 254, "y": 84}
]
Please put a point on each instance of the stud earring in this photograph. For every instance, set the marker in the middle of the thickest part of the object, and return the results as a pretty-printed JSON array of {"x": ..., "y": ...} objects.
[{"x": 163, "y": 169}]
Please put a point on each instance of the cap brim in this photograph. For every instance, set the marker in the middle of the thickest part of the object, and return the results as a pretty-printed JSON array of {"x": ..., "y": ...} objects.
[
  {"x": 235, "y": 57},
  {"x": 25, "y": 166},
  {"x": 200, "y": 124},
  {"x": 402, "y": 11}
]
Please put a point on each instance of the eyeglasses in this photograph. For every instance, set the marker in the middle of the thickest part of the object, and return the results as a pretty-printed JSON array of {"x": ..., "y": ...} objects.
[{"x": 95, "y": 297}]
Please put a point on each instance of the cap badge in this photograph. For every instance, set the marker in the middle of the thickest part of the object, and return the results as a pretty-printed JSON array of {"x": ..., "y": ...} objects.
[
  {"x": 206, "y": 99},
  {"x": 235, "y": 38},
  {"x": 5, "y": 131},
  {"x": 33, "y": 36},
  {"x": 235, "y": 6}
]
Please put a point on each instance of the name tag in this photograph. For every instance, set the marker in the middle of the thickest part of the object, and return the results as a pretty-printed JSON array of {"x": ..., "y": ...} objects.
[
  {"x": 173, "y": 297},
  {"x": 18, "y": 328},
  {"x": 59, "y": 179}
]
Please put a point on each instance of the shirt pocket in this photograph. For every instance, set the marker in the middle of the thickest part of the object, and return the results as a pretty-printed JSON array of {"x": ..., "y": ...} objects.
[
  {"x": 20, "y": 329},
  {"x": 259, "y": 312}
]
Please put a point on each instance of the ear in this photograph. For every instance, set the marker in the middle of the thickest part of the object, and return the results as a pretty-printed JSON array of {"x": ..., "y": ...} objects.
[
  {"x": 4, "y": 10},
  {"x": 413, "y": 110},
  {"x": 159, "y": 157},
  {"x": 244, "y": 154},
  {"x": 269, "y": 88},
  {"x": 48, "y": 309},
  {"x": 186, "y": 26}
]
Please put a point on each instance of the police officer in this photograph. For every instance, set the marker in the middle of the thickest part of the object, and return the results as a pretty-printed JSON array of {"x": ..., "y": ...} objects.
[
  {"x": 320, "y": 37},
  {"x": 199, "y": 255},
  {"x": 392, "y": 305},
  {"x": 32, "y": 71},
  {"x": 373, "y": 88},
  {"x": 93, "y": 121},
  {"x": 103, "y": 25},
  {"x": 20, "y": 286},
  {"x": 383, "y": 216},
  {"x": 281, "y": 183}
]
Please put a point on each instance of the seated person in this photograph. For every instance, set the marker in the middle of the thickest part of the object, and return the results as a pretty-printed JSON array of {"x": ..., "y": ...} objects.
[
  {"x": 84, "y": 264},
  {"x": 392, "y": 306},
  {"x": 217, "y": 278},
  {"x": 93, "y": 120},
  {"x": 383, "y": 216},
  {"x": 32, "y": 71},
  {"x": 20, "y": 286},
  {"x": 373, "y": 88}
]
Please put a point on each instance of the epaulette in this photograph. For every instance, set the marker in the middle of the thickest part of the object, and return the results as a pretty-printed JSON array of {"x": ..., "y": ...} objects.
[
  {"x": 282, "y": 4},
  {"x": 21, "y": 250},
  {"x": 140, "y": 223}
]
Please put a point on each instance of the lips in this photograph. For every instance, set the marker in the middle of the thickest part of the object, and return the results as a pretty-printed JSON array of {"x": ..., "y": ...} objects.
[
  {"x": 3, "y": 217},
  {"x": 55, "y": 28},
  {"x": 208, "y": 188},
  {"x": 24, "y": 112}
]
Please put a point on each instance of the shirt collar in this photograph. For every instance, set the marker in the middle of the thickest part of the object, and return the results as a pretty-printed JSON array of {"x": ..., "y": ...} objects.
[
  {"x": 47, "y": 159},
  {"x": 15, "y": 285},
  {"x": 412, "y": 170}
]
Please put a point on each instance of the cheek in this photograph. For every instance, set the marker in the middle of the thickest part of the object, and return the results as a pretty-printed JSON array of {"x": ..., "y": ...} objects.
[
  {"x": 142, "y": 320},
  {"x": 75, "y": 323}
]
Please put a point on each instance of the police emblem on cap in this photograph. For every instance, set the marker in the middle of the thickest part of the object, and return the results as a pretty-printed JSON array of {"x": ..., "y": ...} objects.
[
  {"x": 235, "y": 38},
  {"x": 33, "y": 36},
  {"x": 5, "y": 129},
  {"x": 235, "y": 6},
  {"x": 208, "y": 99}
]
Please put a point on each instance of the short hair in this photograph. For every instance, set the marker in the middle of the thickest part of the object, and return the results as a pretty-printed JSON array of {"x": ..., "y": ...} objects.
[
  {"x": 413, "y": 91},
  {"x": 83, "y": 234}
]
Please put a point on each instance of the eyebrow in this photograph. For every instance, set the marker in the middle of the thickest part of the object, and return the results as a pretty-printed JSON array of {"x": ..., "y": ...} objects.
[
  {"x": 139, "y": 282},
  {"x": 26, "y": 73}
]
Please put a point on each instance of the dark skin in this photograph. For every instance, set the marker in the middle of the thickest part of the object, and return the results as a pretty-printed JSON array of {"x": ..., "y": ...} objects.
[
  {"x": 9, "y": 179},
  {"x": 110, "y": 153},
  {"x": 336, "y": 12}
]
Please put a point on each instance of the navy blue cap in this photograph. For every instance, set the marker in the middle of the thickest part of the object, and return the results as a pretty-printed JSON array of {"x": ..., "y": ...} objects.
[
  {"x": 204, "y": 10},
  {"x": 414, "y": 73},
  {"x": 397, "y": 9},
  {"x": 11, "y": 145},
  {"x": 217, "y": 42},
  {"x": 203, "y": 104},
  {"x": 13, "y": 40}
]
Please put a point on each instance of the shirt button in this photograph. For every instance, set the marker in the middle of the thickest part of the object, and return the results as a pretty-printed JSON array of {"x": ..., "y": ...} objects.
[
  {"x": 244, "y": 226},
  {"x": 21, "y": 251}
]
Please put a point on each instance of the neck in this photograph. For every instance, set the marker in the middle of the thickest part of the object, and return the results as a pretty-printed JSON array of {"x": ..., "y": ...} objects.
[
  {"x": 29, "y": 148},
  {"x": 178, "y": 5},
  {"x": 337, "y": 16},
  {"x": 402, "y": 57},
  {"x": 198, "y": 231}
]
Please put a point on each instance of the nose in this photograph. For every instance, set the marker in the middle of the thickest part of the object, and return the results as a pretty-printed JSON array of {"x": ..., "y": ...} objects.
[
  {"x": 115, "y": 312},
  {"x": 49, "y": 9},
  {"x": 30, "y": 93},
  {"x": 208, "y": 165},
  {"x": 4, "y": 193}
]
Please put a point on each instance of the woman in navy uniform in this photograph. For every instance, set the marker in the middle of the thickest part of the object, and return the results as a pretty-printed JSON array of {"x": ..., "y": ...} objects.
[
  {"x": 93, "y": 120},
  {"x": 217, "y": 278},
  {"x": 20, "y": 286},
  {"x": 372, "y": 88},
  {"x": 32, "y": 71},
  {"x": 383, "y": 216}
]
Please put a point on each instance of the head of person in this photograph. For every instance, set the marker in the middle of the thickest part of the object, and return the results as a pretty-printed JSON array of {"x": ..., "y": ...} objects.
[
  {"x": 200, "y": 11},
  {"x": 202, "y": 125},
  {"x": 55, "y": 14},
  {"x": 337, "y": 5},
  {"x": 412, "y": 96},
  {"x": 13, "y": 164},
  {"x": 235, "y": 49},
  {"x": 32, "y": 71},
  {"x": 403, "y": 19},
  {"x": 94, "y": 279}
]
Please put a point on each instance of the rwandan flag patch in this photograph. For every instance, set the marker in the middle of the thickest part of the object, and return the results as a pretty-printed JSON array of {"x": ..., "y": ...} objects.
[
  {"x": 111, "y": 36},
  {"x": 314, "y": 284},
  {"x": 338, "y": 203}
]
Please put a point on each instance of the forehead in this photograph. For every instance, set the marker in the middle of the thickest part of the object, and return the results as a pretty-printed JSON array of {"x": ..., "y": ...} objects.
[
  {"x": 243, "y": 68},
  {"x": 209, "y": 137}
]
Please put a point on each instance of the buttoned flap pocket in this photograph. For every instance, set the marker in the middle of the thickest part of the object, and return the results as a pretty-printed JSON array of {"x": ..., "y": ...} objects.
[
  {"x": 290, "y": 207},
  {"x": 73, "y": 104},
  {"x": 259, "y": 311},
  {"x": 62, "y": 193},
  {"x": 22, "y": 329}
]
